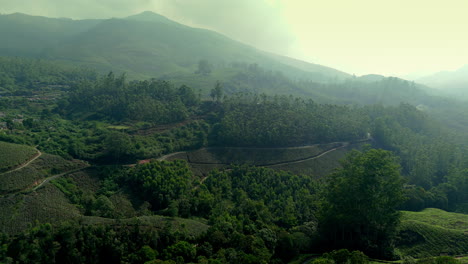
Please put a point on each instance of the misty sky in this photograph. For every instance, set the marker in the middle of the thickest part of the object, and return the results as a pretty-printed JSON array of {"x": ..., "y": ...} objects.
[{"x": 391, "y": 37}]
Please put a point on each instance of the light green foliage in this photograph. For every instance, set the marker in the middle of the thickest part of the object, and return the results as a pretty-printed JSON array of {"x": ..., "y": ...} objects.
[
  {"x": 437, "y": 217},
  {"x": 433, "y": 232}
]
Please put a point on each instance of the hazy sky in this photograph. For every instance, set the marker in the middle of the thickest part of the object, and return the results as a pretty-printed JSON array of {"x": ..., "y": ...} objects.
[{"x": 391, "y": 37}]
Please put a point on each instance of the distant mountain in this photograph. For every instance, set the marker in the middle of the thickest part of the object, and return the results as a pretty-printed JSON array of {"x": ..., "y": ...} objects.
[
  {"x": 146, "y": 45},
  {"x": 25, "y": 35},
  {"x": 454, "y": 82}
]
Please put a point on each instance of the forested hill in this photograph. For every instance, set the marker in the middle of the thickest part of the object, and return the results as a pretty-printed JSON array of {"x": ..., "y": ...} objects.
[{"x": 145, "y": 46}]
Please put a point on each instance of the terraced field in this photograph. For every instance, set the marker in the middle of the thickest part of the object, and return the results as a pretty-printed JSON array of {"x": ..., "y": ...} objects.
[{"x": 13, "y": 155}]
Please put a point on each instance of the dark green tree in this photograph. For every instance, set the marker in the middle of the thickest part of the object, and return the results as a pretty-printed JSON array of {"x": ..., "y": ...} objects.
[
  {"x": 118, "y": 146},
  {"x": 217, "y": 92},
  {"x": 360, "y": 203},
  {"x": 204, "y": 67}
]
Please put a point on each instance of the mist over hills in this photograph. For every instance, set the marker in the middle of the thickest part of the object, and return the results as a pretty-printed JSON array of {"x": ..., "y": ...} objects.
[
  {"x": 146, "y": 45},
  {"x": 453, "y": 82},
  {"x": 211, "y": 151}
]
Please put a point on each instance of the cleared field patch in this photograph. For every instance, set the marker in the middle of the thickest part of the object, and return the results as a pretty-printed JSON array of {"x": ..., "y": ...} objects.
[
  {"x": 433, "y": 232},
  {"x": 13, "y": 155}
]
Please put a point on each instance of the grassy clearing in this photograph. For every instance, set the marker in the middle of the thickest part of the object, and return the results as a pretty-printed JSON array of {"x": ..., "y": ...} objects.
[
  {"x": 13, "y": 155},
  {"x": 433, "y": 232},
  {"x": 439, "y": 218}
]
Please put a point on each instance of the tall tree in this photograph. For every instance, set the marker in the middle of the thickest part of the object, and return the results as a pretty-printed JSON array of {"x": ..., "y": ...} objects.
[
  {"x": 217, "y": 92},
  {"x": 360, "y": 204},
  {"x": 204, "y": 67}
]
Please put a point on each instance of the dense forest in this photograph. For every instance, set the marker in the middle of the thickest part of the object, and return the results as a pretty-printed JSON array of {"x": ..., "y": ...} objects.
[{"x": 413, "y": 160}]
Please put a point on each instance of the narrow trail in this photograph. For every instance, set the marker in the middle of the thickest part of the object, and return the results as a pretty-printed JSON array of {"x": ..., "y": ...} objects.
[{"x": 38, "y": 154}]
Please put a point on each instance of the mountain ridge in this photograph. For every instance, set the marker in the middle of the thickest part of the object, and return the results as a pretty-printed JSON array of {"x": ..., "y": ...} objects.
[{"x": 145, "y": 45}]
